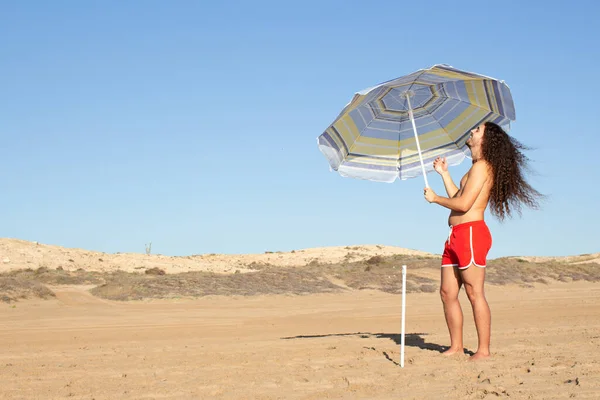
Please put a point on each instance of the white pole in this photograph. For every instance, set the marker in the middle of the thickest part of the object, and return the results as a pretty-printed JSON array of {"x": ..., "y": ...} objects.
[
  {"x": 412, "y": 120},
  {"x": 403, "y": 315}
]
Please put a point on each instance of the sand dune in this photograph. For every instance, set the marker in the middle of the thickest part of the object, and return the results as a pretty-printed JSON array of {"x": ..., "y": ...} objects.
[
  {"x": 338, "y": 345},
  {"x": 578, "y": 259},
  {"x": 17, "y": 254}
]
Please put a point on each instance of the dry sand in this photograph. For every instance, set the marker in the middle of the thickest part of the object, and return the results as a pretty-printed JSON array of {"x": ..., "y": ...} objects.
[
  {"x": 18, "y": 254},
  {"x": 579, "y": 259},
  {"x": 545, "y": 338},
  {"x": 546, "y": 342}
]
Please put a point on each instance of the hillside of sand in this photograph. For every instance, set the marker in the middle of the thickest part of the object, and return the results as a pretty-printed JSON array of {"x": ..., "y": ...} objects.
[
  {"x": 20, "y": 254},
  {"x": 309, "y": 324}
]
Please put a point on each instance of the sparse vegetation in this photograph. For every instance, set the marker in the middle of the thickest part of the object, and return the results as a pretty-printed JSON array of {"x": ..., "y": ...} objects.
[
  {"x": 375, "y": 260},
  {"x": 504, "y": 271},
  {"x": 13, "y": 289},
  {"x": 376, "y": 273},
  {"x": 382, "y": 273},
  {"x": 197, "y": 284},
  {"x": 44, "y": 275},
  {"x": 257, "y": 266},
  {"x": 155, "y": 271}
]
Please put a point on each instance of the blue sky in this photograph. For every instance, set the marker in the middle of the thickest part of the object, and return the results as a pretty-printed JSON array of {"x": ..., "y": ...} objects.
[{"x": 193, "y": 124}]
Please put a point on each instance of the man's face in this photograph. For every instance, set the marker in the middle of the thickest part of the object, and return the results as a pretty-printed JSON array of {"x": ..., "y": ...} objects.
[{"x": 476, "y": 137}]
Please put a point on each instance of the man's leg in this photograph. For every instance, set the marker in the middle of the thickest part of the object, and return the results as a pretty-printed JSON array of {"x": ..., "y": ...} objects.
[
  {"x": 473, "y": 279},
  {"x": 449, "y": 288}
]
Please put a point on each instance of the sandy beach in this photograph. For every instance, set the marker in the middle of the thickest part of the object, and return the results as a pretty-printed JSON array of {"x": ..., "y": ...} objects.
[
  {"x": 309, "y": 324},
  {"x": 545, "y": 343}
]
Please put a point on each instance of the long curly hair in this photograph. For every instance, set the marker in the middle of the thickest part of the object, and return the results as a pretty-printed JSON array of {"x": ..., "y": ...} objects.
[{"x": 509, "y": 190}]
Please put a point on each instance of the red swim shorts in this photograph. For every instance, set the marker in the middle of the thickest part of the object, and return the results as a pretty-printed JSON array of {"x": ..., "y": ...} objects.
[{"x": 467, "y": 244}]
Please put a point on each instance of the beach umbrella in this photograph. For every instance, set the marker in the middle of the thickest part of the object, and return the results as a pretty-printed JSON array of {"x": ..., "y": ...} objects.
[
  {"x": 395, "y": 130},
  {"x": 398, "y": 128}
]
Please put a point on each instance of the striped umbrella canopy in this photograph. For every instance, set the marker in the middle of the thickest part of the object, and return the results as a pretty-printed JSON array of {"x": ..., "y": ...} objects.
[{"x": 397, "y": 128}]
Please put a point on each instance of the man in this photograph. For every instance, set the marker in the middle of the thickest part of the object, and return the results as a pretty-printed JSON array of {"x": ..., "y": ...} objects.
[{"x": 496, "y": 178}]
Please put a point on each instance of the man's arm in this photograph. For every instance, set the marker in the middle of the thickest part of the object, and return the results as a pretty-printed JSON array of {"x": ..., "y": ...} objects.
[
  {"x": 441, "y": 167},
  {"x": 463, "y": 203},
  {"x": 451, "y": 188}
]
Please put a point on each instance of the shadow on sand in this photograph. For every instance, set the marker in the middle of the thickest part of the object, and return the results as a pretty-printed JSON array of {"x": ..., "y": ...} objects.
[{"x": 410, "y": 339}]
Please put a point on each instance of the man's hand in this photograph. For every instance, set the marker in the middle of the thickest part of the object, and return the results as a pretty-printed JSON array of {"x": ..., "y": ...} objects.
[
  {"x": 440, "y": 165},
  {"x": 430, "y": 195}
]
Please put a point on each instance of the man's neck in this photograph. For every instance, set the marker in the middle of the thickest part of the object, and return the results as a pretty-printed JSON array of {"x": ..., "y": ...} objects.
[{"x": 475, "y": 155}]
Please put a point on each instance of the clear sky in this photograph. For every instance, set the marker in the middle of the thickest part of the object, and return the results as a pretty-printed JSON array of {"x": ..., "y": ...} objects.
[{"x": 193, "y": 124}]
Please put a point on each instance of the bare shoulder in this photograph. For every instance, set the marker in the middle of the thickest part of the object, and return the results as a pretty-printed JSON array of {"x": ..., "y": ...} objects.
[{"x": 481, "y": 168}]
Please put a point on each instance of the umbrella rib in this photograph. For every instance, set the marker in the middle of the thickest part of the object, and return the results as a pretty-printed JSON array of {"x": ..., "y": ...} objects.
[
  {"x": 373, "y": 109},
  {"x": 413, "y": 82},
  {"x": 476, "y": 106},
  {"x": 383, "y": 118},
  {"x": 436, "y": 91},
  {"x": 360, "y": 132},
  {"x": 446, "y": 132},
  {"x": 401, "y": 121}
]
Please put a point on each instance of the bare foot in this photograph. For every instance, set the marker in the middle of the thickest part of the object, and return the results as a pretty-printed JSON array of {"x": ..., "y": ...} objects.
[
  {"x": 479, "y": 356},
  {"x": 451, "y": 351}
]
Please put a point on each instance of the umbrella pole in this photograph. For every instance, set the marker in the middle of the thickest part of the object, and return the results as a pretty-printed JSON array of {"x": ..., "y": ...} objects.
[
  {"x": 412, "y": 120},
  {"x": 403, "y": 316}
]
